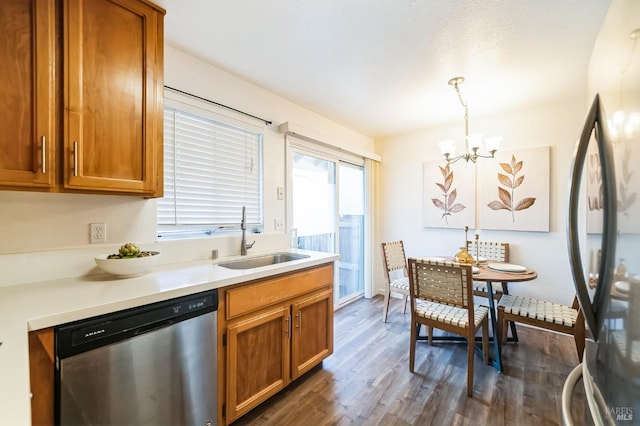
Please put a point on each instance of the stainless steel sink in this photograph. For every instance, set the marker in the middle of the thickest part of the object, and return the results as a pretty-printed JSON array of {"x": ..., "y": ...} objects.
[{"x": 259, "y": 261}]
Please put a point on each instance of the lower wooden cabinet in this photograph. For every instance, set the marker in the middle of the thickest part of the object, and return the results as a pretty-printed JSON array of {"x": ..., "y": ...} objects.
[
  {"x": 257, "y": 360},
  {"x": 269, "y": 346},
  {"x": 270, "y": 332},
  {"x": 312, "y": 333},
  {"x": 41, "y": 372}
]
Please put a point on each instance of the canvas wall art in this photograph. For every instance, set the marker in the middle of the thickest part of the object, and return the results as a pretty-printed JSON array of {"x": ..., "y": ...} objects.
[
  {"x": 627, "y": 157},
  {"x": 627, "y": 200},
  {"x": 513, "y": 190},
  {"x": 594, "y": 196},
  {"x": 449, "y": 195}
]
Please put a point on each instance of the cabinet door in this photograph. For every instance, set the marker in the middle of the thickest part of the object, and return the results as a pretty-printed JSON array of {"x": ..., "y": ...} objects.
[
  {"x": 313, "y": 332},
  {"x": 113, "y": 96},
  {"x": 27, "y": 93},
  {"x": 257, "y": 360},
  {"x": 41, "y": 376}
]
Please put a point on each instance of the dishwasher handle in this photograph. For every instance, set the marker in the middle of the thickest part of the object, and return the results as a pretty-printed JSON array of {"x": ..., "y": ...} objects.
[{"x": 152, "y": 327}]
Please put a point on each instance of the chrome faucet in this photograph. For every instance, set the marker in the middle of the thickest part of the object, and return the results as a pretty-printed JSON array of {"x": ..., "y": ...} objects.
[{"x": 243, "y": 225}]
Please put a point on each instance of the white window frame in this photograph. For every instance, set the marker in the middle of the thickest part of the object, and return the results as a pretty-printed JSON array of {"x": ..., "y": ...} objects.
[
  {"x": 333, "y": 153},
  {"x": 228, "y": 216}
]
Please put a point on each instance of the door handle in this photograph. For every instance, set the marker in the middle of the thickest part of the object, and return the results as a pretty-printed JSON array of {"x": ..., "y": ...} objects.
[
  {"x": 43, "y": 143},
  {"x": 288, "y": 326},
  {"x": 75, "y": 158},
  {"x": 596, "y": 121}
]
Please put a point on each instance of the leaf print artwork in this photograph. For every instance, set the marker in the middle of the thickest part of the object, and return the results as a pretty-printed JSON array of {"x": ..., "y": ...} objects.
[
  {"x": 626, "y": 199},
  {"x": 447, "y": 204},
  {"x": 595, "y": 199},
  {"x": 510, "y": 181}
]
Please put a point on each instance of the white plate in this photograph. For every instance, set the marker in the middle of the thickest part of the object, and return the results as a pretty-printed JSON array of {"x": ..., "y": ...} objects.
[
  {"x": 475, "y": 269},
  {"x": 433, "y": 259},
  {"x": 482, "y": 259},
  {"x": 507, "y": 267},
  {"x": 622, "y": 286}
]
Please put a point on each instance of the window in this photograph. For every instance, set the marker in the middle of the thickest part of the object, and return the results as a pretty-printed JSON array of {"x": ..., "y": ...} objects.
[{"x": 211, "y": 170}]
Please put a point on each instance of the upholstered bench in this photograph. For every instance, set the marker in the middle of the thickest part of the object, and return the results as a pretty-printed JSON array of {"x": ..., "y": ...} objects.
[{"x": 480, "y": 289}]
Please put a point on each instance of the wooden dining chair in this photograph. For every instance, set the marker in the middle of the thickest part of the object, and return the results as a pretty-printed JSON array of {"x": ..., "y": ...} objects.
[
  {"x": 395, "y": 269},
  {"x": 442, "y": 297},
  {"x": 542, "y": 314},
  {"x": 492, "y": 251},
  {"x": 625, "y": 338}
]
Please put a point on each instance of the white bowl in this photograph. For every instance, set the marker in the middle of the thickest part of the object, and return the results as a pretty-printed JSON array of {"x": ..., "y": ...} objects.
[{"x": 128, "y": 267}]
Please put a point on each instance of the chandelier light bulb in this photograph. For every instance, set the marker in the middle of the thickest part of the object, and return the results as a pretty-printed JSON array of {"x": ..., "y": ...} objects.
[
  {"x": 447, "y": 147},
  {"x": 623, "y": 126},
  {"x": 493, "y": 143},
  {"x": 475, "y": 141}
]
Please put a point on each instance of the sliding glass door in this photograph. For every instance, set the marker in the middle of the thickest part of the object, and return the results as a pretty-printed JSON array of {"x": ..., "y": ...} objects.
[
  {"x": 314, "y": 203},
  {"x": 351, "y": 231},
  {"x": 328, "y": 215}
]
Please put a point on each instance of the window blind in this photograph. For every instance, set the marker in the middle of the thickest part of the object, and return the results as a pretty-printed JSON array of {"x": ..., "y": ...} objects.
[{"x": 211, "y": 170}]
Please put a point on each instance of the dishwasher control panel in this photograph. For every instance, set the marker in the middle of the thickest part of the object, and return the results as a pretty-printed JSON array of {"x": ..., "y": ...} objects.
[{"x": 87, "y": 334}]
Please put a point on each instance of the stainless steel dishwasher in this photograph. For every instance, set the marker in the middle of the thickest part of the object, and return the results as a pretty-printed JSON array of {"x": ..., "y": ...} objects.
[{"x": 149, "y": 365}]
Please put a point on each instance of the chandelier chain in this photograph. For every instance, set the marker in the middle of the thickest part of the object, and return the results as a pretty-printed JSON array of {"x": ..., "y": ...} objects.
[{"x": 466, "y": 113}]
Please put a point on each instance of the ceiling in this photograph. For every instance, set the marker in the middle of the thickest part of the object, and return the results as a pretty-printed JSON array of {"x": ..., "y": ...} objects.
[{"x": 381, "y": 67}]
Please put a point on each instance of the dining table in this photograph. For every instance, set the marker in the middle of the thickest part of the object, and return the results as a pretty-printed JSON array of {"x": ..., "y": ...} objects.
[
  {"x": 490, "y": 272},
  {"x": 498, "y": 272}
]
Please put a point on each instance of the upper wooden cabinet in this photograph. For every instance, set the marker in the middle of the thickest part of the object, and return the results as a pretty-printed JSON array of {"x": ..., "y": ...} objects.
[
  {"x": 113, "y": 82},
  {"x": 81, "y": 99},
  {"x": 27, "y": 94}
]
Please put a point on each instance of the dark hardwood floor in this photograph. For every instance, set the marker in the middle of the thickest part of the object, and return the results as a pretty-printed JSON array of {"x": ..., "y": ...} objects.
[{"x": 367, "y": 380}]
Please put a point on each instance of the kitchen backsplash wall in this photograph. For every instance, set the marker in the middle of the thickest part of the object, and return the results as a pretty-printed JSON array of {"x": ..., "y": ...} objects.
[{"x": 32, "y": 221}]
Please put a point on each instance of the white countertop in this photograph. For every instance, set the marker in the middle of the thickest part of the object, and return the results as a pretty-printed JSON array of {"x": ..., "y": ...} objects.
[{"x": 28, "y": 307}]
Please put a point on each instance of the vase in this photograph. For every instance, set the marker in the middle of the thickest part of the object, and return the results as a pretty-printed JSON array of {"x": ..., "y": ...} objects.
[{"x": 463, "y": 256}]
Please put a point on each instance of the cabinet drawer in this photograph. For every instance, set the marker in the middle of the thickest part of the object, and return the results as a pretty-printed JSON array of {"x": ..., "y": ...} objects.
[{"x": 249, "y": 298}]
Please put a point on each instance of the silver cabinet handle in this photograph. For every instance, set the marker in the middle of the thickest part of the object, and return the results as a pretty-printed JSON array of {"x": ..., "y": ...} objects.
[
  {"x": 299, "y": 326},
  {"x": 75, "y": 158},
  {"x": 43, "y": 142}
]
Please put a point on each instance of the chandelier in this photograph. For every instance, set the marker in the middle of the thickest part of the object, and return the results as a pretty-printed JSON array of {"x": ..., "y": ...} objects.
[
  {"x": 474, "y": 142},
  {"x": 625, "y": 126}
]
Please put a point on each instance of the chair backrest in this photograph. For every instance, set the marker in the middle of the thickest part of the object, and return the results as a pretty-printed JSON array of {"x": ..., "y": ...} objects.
[
  {"x": 490, "y": 249},
  {"x": 442, "y": 282},
  {"x": 632, "y": 322},
  {"x": 394, "y": 258}
]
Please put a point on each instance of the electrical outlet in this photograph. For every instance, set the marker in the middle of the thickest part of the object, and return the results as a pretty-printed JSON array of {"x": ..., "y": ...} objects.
[
  {"x": 279, "y": 224},
  {"x": 98, "y": 232}
]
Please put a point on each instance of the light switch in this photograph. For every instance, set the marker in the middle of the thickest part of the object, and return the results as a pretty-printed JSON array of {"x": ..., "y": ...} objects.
[{"x": 280, "y": 193}]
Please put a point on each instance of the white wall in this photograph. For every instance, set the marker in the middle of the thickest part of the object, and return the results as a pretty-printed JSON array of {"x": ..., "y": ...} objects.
[
  {"x": 46, "y": 236},
  {"x": 557, "y": 125}
]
